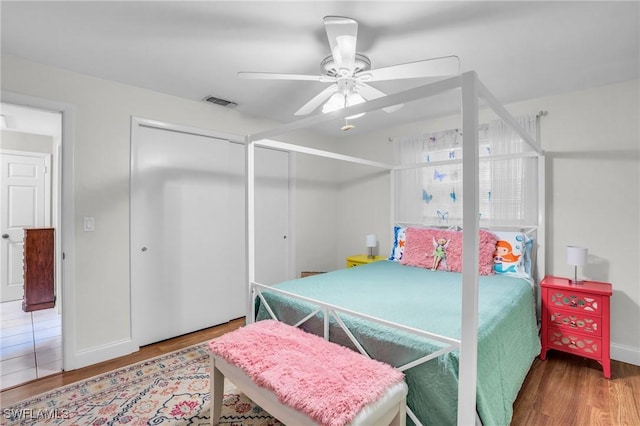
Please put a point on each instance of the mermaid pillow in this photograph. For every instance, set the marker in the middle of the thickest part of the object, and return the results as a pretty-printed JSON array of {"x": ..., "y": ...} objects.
[{"x": 512, "y": 255}]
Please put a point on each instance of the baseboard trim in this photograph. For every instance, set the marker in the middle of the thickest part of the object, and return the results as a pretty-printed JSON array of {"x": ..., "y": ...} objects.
[
  {"x": 626, "y": 354},
  {"x": 104, "y": 352}
]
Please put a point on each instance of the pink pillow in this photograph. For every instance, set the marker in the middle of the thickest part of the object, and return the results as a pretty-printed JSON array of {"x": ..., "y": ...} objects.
[{"x": 420, "y": 249}]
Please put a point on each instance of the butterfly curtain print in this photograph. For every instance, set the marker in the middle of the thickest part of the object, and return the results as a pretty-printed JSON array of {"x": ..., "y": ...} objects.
[
  {"x": 442, "y": 186},
  {"x": 442, "y": 183}
]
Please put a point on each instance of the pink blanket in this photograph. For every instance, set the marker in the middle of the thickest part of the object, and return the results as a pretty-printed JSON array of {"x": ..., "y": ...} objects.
[{"x": 328, "y": 382}]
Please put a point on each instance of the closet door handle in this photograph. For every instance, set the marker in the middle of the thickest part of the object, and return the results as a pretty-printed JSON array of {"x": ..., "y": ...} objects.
[{"x": 5, "y": 236}]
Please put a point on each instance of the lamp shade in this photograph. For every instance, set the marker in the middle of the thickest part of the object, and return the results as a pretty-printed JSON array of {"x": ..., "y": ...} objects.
[
  {"x": 372, "y": 240},
  {"x": 576, "y": 256}
]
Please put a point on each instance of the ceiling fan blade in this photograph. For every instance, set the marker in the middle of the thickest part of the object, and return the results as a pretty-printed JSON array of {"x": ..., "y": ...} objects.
[
  {"x": 317, "y": 100},
  {"x": 369, "y": 93},
  {"x": 280, "y": 76},
  {"x": 342, "y": 34},
  {"x": 436, "y": 67}
]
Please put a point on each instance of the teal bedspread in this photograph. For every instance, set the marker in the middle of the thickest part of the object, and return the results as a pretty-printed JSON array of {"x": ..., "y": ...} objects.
[{"x": 431, "y": 301}]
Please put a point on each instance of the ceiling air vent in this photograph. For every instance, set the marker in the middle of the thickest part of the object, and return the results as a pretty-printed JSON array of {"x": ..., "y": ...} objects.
[{"x": 221, "y": 102}]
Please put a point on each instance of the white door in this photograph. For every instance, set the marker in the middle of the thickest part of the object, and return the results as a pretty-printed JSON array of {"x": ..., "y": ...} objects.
[
  {"x": 24, "y": 191},
  {"x": 272, "y": 215},
  {"x": 187, "y": 232}
]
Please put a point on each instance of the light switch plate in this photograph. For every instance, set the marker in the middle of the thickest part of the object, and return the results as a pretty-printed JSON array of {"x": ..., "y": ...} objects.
[{"x": 89, "y": 224}]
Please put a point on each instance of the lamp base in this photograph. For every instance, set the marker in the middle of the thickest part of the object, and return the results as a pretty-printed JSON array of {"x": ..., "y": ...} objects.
[
  {"x": 370, "y": 255},
  {"x": 575, "y": 280}
]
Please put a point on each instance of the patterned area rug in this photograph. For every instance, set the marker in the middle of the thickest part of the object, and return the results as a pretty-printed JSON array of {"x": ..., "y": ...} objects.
[{"x": 172, "y": 389}]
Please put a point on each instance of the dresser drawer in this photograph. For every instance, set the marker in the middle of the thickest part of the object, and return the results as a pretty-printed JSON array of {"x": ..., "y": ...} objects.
[
  {"x": 575, "y": 321},
  {"x": 573, "y": 300},
  {"x": 575, "y": 343}
]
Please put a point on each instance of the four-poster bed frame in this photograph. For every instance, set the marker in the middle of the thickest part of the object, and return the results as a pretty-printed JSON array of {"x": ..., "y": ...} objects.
[{"x": 471, "y": 90}]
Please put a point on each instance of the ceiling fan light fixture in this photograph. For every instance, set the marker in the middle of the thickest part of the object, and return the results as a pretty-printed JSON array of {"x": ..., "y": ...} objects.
[
  {"x": 338, "y": 101},
  {"x": 335, "y": 102},
  {"x": 354, "y": 99}
]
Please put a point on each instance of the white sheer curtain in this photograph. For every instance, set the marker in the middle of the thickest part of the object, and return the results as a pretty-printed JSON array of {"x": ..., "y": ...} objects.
[
  {"x": 513, "y": 180},
  {"x": 432, "y": 195},
  {"x": 408, "y": 190}
]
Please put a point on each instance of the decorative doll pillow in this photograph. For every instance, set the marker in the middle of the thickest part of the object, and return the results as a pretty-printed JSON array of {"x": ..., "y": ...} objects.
[
  {"x": 398, "y": 243},
  {"x": 513, "y": 254},
  {"x": 439, "y": 249}
]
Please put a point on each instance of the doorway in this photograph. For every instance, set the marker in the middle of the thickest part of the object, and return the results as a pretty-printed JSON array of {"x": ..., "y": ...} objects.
[{"x": 30, "y": 151}]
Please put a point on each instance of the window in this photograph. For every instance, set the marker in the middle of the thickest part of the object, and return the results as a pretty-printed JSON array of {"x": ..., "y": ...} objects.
[{"x": 432, "y": 194}]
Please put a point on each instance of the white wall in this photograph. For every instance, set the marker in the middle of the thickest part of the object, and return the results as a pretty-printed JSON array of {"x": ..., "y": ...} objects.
[
  {"x": 592, "y": 140},
  {"x": 103, "y": 111},
  {"x": 592, "y": 144}
]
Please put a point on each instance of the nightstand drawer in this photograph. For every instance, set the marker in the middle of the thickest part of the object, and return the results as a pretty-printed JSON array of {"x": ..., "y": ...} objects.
[
  {"x": 576, "y": 322},
  {"x": 575, "y": 343},
  {"x": 574, "y": 300}
]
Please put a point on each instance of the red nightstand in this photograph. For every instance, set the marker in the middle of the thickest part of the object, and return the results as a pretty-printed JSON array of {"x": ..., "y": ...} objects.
[{"x": 575, "y": 319}]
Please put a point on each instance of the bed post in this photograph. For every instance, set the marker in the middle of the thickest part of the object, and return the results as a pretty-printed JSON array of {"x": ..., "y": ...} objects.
[
  {"x": 250, "y": 225},
  {"x": 392, "y": 196},
  {"x": 470, "y": 256},
  {"x": 541, "y": 232}
]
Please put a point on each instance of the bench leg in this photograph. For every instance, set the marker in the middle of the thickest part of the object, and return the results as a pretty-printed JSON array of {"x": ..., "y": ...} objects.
[
  {"x": 216, "y": 392},
  {"x": 400, "y": 418}
]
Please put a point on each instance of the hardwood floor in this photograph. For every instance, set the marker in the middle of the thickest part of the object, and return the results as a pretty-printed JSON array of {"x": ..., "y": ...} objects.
[
  {"x": 564, "y": 390},
  {"x": 568, "y": 390}
]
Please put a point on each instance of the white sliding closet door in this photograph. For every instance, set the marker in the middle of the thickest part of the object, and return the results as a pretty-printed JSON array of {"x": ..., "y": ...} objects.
[
  {"x": 272, "y": 219},
  {"x": 188, "y": 258}
]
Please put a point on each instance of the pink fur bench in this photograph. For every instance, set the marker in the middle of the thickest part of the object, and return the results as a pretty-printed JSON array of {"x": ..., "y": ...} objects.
[{"x": 301, "y": 379}]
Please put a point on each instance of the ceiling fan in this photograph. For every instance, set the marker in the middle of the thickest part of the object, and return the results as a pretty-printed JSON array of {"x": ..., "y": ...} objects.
[{"x": 350, "y": 71}]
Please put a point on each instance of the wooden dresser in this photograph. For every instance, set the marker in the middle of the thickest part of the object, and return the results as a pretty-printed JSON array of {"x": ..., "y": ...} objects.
[{"x": 39, "y": 255}]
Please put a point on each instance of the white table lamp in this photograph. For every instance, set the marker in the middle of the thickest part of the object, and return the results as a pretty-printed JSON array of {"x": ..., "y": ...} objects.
[
  {"x": 576, "y": 256},
  {"x": 372, "y": 241}
]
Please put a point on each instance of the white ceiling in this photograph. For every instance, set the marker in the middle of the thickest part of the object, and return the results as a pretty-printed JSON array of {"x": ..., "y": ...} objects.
[{"x": 520, "y": 50}]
